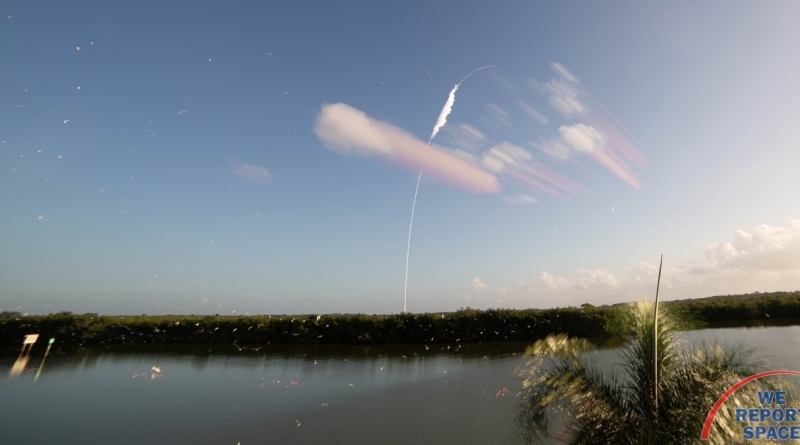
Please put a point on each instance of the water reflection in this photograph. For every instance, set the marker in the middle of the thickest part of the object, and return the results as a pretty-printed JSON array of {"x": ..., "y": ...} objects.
[
  {"x": 271, "y": 393},
  {"x": 24, "y": 355},
  {"x": 336, "y": 394},
  {"x": 19, "y": 366}
]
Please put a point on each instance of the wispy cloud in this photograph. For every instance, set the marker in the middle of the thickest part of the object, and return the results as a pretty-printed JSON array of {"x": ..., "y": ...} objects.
[
  {"x": 552, "y": 282},
  {"x": 347, "y": 130},
  {"x": 496, "y": 116},
  {"x": 476, "y": 284},
  {"x": 565, "y": 73},
  {"x": 555, "y": 147},
  {"x": 519, "y": 165},
  {"x": 530, "y": 111},
  {"x": 520, "y": 199},
  {"x": 465, "y": 137},
  {"x": 582, "y": 138},
  {"x": 583, "y": 279},
  {"x": 501, "y": 82},
  {"x": 253, "y": 174},
  {"x": 600, "y": 135},
  {"x": 505, "y": 154}
]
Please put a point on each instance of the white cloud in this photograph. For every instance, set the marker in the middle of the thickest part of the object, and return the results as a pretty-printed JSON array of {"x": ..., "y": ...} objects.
[
  {"x": 492, "y": 164},
  {"x": 503, "y": 154},
  {"x": 600, "y": 128},
  {"x": 592, "y": 279},
  {"x": 347, "y": 130},
  {"x": 520, "y": 199},
  {"x": 476, "y": 284},
  {"x": 251, "y": 173},
  {"x": 463, "y": 155},
  {"x": 553, "y": 282},
  {"x": 765, "y": 249},
  {"x": 464, "y": 137},
  {"x": 583, "y": 138},
  {"x": 563, "y": 96},
  {"x": 764, "y": 259},
  {"x": 580, "y": 138},
  {"x": 498, "y": 293},
  {"x": 554, "y": 147},
  {"x": 565, "y": 73},
  {"x": 535, "y": 115},
  {"x": 583, "y": 279},
  {"x": 497, "y": 116}
]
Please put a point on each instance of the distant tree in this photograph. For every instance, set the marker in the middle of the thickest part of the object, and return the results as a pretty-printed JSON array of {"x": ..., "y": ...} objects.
[{"x": 567, "y": 397}]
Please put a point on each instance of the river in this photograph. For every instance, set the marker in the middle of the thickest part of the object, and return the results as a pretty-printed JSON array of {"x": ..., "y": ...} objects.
[{"x": 200, "y": 394}]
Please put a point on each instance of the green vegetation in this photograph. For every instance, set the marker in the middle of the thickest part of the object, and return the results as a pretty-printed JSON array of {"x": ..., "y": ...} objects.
[
  {"x": 566, "y": 395},
  {"x": 756, "y": 306},
  {"x": 466, "y": 325}
]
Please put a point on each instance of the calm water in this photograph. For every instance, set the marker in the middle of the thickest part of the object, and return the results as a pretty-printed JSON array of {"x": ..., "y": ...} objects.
[{"x": 289, "y": 395}]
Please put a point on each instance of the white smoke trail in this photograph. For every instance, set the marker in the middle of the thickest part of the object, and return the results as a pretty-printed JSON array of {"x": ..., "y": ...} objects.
[{"x": 448, "y": 107}]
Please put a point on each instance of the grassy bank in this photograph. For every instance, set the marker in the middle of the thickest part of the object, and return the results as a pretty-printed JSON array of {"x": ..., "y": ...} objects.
[
  {"x": 466, "y": 325},
  {"x": 462, "y": 326}
]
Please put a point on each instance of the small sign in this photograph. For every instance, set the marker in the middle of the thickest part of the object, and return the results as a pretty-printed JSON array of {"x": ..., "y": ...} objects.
[{"x": 30, "y": 339}]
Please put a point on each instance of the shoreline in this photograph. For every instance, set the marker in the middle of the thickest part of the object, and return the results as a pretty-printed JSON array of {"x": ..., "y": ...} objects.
[{"x": 463, "y": 326}]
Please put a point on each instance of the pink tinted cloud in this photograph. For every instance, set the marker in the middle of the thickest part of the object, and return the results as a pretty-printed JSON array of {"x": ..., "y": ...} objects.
[
  {"x": 533, "y": 182},
  {"x": 412, "y": 154},
  {"x": 519, "y": 164},
  {"x": 253, "y": 174},
  {"x": 617, "y": 141},
  {"x": 555, "y": 178},
  {"x": 600, "y": 135},
  {"x": 347, "y": 130},
  {"x": 609, "y": 159}
]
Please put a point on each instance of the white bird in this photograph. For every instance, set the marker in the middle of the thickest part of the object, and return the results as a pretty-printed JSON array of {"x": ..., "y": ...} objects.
[{"x": 156, "y": 369}]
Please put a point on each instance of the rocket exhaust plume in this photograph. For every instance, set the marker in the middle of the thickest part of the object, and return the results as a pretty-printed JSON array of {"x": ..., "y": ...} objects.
[{"x": 448, "y": 107}]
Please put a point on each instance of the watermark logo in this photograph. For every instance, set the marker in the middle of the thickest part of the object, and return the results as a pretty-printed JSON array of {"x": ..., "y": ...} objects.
[{"x": 754, "y": 416}]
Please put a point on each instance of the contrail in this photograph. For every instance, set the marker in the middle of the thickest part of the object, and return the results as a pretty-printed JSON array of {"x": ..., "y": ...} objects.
[{"x": 448, "y": 107}]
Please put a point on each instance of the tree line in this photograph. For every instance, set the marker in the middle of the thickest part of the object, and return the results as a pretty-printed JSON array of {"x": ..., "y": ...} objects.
[{"x": 466, "y": 325}]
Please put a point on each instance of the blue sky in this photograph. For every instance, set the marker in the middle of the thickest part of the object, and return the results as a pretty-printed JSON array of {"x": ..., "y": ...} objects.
[{"x": 202, "y": 157}]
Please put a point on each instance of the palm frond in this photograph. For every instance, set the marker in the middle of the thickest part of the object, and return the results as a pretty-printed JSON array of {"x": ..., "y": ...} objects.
[{"x": 565, "y": 395}]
